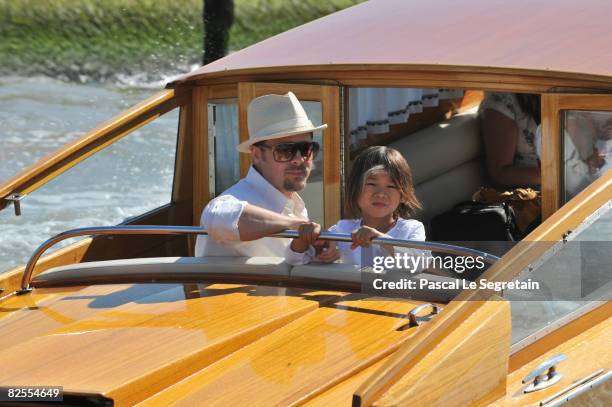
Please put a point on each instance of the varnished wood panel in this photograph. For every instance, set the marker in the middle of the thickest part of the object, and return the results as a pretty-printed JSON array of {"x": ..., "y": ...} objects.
[
  {"x": 372, "y": 75},
  {"x": 342, "y": 393},
  {"x": 143, "y": 338},
  {"x": 299, "y": 360},
  {"x": 422, "y": 343},
  {"x": 584, "y": 102},
  {"x": 183, "y": 173},
  {"x": 551, "y": 156},
  {"x": 477, "y": 347},
  {"x": 201, "y": 192},
  {"x": 99, "y": 138},
  {"x": 227, "y": 91},
  {"x": 246, "y": 93},
  {"x": 474, "y": 355},
  {"x": 330, "y": 104},
  {"x": 553, "y": 106}
]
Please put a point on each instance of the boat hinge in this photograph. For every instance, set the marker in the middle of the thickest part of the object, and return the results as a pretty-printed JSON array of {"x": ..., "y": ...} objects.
[
  {"x": 415, "y": 320},
  {"x": 15, "y": 199},
  {"x": 544, "y": 375}
]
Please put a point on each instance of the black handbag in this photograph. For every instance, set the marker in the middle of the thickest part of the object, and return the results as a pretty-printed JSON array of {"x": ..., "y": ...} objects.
[{"x": 474, "y": 221}]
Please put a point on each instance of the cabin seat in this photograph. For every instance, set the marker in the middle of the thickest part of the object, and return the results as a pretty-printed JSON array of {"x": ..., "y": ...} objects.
[
  {"x": 447, "y": 162},
  {"x": 105, "y": 270}
]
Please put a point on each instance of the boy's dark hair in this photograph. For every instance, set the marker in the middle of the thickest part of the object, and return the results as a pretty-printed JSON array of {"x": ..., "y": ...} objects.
[{"x": 387, "y": 159}]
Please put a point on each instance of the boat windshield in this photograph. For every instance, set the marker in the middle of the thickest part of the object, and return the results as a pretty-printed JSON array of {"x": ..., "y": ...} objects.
[{"x": 573, "y": 277}]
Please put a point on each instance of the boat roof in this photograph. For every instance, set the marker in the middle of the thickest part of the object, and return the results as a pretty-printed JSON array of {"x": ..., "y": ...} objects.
[{"x": 566, "y": 36}]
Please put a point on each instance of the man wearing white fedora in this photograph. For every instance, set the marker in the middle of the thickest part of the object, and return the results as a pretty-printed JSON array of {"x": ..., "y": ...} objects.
[{"x": 266, "y": 200}]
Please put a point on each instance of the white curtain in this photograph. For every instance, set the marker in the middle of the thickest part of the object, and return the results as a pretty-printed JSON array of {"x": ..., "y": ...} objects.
[
  {"x": 227, "y": 162},
  {"x": 372, "y": 110}
]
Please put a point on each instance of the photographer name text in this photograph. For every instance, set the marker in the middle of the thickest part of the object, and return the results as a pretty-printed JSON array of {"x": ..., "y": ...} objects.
[{"x": 455, "y": 284}]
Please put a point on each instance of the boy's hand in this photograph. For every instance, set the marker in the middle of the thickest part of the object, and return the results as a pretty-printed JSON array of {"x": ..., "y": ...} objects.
[
  {"x": 309, "y": 232},
  {"x": 329, "y": 253},
  {"x": 363, "y": 236}
]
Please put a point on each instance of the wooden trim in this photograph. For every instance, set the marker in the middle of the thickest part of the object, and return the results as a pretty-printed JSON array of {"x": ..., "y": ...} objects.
[
  {"x": 225, "y": 91},
  {"x": 183, "y": 174},
  {"x": 201, "y": 192},
  {"x": 101, "y": 137},
  {"x": 584, "y": 102},
  {"x": 422, "y": 343},
  {"x": 473, "y": 77},
  {"x": 347, "y": 149},
  {"x": 332, "y": 205},
  {"x": 476, "y": 349},
  {"x": 559, "y": 336},
  {"x": 552, "y": 141},
  {"x": 551, "y": 156},
  {"x": 246, "y": 93}
]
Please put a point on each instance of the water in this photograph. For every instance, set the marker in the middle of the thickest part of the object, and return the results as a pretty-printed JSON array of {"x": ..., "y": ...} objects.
[{"x": 39, "y": 115}]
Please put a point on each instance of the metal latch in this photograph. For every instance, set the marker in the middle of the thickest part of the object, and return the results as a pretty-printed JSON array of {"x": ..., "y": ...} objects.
[
  {"x": 16, "y": 200},
  {"x": 544, "y": 375}
]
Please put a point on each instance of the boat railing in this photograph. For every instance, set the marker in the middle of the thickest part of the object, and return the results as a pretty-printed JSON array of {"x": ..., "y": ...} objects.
[{"x": 195, "y": 230}]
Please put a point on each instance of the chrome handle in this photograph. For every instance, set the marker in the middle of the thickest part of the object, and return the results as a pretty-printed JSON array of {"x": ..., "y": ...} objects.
[
  {"x": 412, "y": 315},
  {"x": 545, "y": 375},
  {"x": 195, "y": 230}
]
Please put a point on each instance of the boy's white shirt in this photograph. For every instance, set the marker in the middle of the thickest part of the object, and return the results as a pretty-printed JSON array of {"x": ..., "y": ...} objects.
[{"x": 408, "y": 229}]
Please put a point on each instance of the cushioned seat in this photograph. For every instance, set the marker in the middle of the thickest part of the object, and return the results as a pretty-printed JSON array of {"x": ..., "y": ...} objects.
[
  {"x": 447, "y": 162},
  {"x": 272, "y": 266},
  {"x": 333, "y": 271}
]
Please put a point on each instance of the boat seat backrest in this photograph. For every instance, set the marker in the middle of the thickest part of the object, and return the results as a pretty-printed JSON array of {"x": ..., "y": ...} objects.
[
  {"x": 272, "y": 266},
  {"x": 447, "y": 163},
  {"x": 166, "y": 269}
]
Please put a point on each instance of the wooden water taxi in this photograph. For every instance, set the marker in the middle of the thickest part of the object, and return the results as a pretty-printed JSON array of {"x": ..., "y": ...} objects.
[{"x": 129, "y": 317}]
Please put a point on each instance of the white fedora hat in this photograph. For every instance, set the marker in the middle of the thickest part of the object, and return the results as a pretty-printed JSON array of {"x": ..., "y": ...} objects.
[{"x": 276, "y": 116}]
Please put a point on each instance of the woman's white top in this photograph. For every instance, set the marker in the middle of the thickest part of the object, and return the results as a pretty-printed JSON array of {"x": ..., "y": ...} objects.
[{"x": 408, "y": 229}]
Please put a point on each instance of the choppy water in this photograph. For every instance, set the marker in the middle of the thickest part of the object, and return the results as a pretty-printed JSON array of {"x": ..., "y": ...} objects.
[{"x": 39, "y": 115}]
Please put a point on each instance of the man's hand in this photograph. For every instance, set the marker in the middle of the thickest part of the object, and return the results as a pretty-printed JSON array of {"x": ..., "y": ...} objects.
[
  {"x": 363, "y": 236},
  {"x": 309, "y": 232}
]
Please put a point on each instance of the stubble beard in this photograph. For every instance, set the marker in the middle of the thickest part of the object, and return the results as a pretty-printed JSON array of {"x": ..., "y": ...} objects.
[{"x": 296, "y": 186}]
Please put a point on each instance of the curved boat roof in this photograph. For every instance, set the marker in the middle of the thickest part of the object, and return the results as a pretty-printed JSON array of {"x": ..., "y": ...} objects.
[{"x": 565, "y": 36}]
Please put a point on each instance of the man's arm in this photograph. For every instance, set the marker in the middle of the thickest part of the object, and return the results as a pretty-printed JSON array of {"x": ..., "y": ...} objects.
[
  {"x": 229, "y": 219},
  {"x": 256, "y": 222}
]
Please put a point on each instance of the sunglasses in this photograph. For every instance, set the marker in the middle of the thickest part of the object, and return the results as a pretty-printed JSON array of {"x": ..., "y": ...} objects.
[{"x": 285, "y": 152}]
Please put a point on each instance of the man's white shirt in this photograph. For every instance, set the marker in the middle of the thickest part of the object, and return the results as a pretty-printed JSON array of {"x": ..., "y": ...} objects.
[{"x": 221, "y": 215}]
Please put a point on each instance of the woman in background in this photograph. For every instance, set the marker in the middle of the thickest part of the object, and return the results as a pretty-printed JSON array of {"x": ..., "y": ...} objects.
[{"x": 509, "y": 123}]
